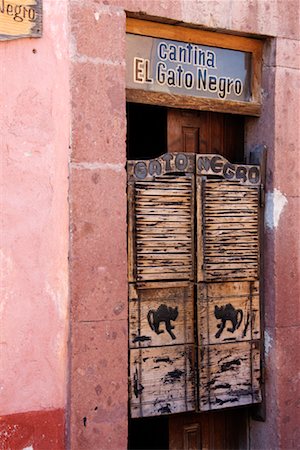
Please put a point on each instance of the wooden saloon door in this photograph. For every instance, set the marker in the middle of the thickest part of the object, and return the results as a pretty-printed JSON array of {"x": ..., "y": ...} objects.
[
  {"x": 181, "y": 276},
  {"x": 161, "y": 290},
  {"x": 228, "y": 319}
]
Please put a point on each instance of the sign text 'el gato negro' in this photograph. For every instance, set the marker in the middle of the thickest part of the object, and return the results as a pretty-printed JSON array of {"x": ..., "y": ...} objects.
[
  {"x": 20, "y": 18},
  {"x": 203, "y": 165},
  {"x": 162, "y": 65}
]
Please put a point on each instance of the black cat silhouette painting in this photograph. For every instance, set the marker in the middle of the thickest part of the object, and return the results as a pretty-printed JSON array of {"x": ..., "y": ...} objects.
[
  {"x": 164, "y": 314},
  {"x": 230, "y": 314}
]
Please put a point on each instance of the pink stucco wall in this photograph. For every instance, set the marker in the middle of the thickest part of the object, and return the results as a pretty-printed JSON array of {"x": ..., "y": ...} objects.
[
  {"x": 34, "y": 127},
  {"x": 73, "y": 78},
  {"x": 97, "y": 43}
]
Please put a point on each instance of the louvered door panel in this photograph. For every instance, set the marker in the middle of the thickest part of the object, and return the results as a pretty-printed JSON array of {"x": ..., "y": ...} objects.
[
  {"x": 230, "y": 230},
  {"x": 163, "y": 214}
]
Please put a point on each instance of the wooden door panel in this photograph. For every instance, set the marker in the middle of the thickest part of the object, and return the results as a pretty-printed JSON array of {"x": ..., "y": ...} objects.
[
  {"x": 216, "y": 430},
  {"x": 228, "y": 283},
  {"x": 190, "y": 139},
  {"x": 160, "y": 224},
  {"x": 161, "y": 314},
  {"x": 206, "y": 132},
  {"x": 236, "y": 321},
  {"x": 162, "y": 380},
  {"x": 229, "y": 375},
  {"x": 161, "y": 296},
  {"x": 228, "y": 230}
]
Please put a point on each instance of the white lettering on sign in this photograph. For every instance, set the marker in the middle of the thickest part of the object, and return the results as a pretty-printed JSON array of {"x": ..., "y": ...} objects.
[
  {"x": 141, "y": 71},
  {"x": 187, "y": 54},
  {"x": 163, "y": 65}
]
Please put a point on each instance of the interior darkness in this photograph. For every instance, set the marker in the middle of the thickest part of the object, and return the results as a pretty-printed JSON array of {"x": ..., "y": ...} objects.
[
  {"x": 146, "y": 131},
  {"x": 149, "y": 433},
  {"x": 146, "y": 139}
]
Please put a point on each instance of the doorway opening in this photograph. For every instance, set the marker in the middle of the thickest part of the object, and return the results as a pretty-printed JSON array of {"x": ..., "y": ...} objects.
[
  {"x": 152, "y": 131},
  {"x": 146, "y": 131}
]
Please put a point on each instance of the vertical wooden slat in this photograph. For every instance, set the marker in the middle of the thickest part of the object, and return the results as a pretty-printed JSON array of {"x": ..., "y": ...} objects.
[
  {"x": 200, "y": 231},
  {"x": 130, "y": 233}
]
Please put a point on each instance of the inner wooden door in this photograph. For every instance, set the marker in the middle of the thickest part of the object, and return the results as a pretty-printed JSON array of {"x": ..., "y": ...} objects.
[{"x": 206, "y": 132}]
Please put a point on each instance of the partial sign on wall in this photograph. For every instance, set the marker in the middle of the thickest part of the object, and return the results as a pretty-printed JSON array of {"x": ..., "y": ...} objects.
[
  {"x": 193, "y": 242},
  {"x": 20, "y": 19}
]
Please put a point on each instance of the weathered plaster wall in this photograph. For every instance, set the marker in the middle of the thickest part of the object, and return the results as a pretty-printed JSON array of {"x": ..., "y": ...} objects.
[
  {"x": 34, "y": 127},
  {"x": 34, "y": 241},
  {"x": 98, "y": 273},
  {"x": 99, "y": 295}
]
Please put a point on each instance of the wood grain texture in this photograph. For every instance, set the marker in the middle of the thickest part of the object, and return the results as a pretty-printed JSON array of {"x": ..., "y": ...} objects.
[
  {"x": 220, "y": 430},
  {"x": 195, "y": 103},
  {"x": 229, "y": 375},
  {"x": 149, "y": 326},
  {"x": 162, "y": 380},
  {"x": 180, "y": 33},
  {"x": 163, "y": 229},
  {"x": 206, "y": 132},
  {"x": 230, "y": 230},
  {"x": 236, "y": 303},
  {"x": 20, "y": 19}
]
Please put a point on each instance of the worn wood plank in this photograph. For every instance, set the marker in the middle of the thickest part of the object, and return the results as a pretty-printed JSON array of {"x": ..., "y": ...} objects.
[
  {"x": 196, "y": 36},
  {"x": 161, "y": 315},
  {"x": 229, "y": 375},
  {"x": 195, "y": 103},
  {"x": 167, "y": 276},
  {"x": 163, "y": 214},
  {"x": 228, "y": 312},
  {"x": 229, "y": 223},
  {"x": 162, "y": 380}
]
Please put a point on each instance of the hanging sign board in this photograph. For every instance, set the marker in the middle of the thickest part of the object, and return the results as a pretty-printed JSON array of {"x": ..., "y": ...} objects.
[
  {"x": 163, "y": 65},
  {"x": 20, "y": 18}
]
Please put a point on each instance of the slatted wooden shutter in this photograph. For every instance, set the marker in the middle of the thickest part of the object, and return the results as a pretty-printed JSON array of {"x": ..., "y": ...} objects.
[
  {"x": 228, "y": 284},
  {"x": 161, "y": 292}
]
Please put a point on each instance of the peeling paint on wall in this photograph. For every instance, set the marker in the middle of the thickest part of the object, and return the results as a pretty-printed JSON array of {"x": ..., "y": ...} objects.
[
  {"x": 268, "y": 342},
  {"x": 275, "y": 203}
]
